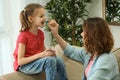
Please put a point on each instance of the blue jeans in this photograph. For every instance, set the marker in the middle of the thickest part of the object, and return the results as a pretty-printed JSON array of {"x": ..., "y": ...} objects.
[{"x": 53, "y": 66}]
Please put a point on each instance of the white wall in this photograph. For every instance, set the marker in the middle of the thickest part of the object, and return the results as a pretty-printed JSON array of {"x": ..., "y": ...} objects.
[
  {"x": 116, "y": 34},
  {"x": 12, "y": 9},
  {"x": 95, "y": 9}
]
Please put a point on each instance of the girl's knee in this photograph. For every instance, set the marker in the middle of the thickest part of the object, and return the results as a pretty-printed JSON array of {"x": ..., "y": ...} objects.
[
  {"x": 51, "y": 60},
  {"x": 59, "y": 60}
]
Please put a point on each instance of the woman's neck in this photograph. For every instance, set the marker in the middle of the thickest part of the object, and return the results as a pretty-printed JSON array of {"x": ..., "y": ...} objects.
[{"x": 94, "y": 56}]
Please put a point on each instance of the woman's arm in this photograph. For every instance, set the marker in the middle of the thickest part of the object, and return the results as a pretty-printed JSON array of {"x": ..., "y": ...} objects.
[
  {"x": 74, "y": 53},
  {"x": 54, "y": 29}
]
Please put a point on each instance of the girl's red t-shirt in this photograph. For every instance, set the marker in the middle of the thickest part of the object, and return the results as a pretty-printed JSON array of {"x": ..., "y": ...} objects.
[{"x": 33, "y": 44}]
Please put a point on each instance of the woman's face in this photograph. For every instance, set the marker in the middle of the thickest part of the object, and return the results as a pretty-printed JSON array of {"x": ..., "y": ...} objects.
[{"x": 82, "y": 34}]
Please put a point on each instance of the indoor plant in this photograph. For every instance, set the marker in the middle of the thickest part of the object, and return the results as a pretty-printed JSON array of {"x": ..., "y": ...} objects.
[
  {"x": 69, "y": 14},
  {"x": 112, "y": 11}
]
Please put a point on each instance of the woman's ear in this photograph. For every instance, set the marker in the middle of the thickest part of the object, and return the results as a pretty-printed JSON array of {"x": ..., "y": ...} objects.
[{"x": 30, "y": 18}]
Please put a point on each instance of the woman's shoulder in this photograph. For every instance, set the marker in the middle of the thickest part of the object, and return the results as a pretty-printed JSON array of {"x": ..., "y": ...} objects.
[
  {"x": 107, "y": 56},
  {"x": 106, "y": 59}
]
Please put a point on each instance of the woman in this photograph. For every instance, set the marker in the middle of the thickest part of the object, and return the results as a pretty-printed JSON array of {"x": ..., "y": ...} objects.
[{"x": 99, "y": 62}]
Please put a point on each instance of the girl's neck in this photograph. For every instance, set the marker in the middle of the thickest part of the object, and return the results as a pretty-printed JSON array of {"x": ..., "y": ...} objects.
[{"x": 34, "y": 30}]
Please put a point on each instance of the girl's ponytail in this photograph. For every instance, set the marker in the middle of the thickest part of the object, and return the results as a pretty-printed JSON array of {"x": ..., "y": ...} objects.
[{"x": 24, "y": 21}]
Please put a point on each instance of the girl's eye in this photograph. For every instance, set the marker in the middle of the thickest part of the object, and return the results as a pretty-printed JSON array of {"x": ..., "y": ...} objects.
[{"x": 41, "y": 16}]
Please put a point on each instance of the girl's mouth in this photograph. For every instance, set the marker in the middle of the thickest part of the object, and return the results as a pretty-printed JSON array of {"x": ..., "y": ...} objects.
[{"x": 43, "y": 22}]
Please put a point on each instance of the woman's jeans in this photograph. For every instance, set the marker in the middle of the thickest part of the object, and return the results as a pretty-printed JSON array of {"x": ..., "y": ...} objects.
[{"x": 53, "y": 66}]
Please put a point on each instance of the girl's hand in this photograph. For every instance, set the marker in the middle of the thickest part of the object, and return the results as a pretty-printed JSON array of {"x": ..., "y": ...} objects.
[
  {"x": 46, "y": 53},
  {"x": 51, "y": 52},
  {"x": 53, "y": 25}
]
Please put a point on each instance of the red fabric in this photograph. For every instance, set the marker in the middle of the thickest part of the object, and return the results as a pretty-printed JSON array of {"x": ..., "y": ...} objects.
[{"x": 33, "y": 44}]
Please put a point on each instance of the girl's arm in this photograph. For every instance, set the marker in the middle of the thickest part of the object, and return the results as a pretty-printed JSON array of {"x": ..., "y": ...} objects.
[{"x": 25, "y": 60}]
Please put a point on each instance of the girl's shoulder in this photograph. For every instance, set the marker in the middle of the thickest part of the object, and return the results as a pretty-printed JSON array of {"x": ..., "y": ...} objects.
[{"x": 23, "y": 34}]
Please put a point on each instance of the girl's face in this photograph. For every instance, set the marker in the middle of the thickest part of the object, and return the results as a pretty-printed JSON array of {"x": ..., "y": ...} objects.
[{"x": 38, "y": 18}]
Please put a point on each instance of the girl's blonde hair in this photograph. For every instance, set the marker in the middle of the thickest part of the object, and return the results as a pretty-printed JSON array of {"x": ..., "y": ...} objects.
[{"x": 28, "y": 11}]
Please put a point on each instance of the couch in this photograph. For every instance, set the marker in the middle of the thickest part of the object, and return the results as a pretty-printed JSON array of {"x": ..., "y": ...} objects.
[{"x": 74, "y": 69}]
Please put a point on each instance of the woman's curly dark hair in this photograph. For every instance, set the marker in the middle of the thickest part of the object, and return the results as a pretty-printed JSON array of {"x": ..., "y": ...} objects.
[{"x": 97, "y": 36}]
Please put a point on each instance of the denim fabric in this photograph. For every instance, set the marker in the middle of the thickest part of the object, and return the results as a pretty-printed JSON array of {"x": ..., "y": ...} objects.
[{"x": 53, "y": 66}]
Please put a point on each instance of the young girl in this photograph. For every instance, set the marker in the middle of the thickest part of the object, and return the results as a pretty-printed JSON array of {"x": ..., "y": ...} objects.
[
  {"x": 99, "y": 62},
  {"x": 31, "y": 56}
]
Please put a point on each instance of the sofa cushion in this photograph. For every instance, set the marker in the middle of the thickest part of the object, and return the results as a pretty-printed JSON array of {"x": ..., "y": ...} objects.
[
  {"x": 21, "y": 76},
  {"x": 74, "y": 68},
  {"x": 117, "y": 54}
]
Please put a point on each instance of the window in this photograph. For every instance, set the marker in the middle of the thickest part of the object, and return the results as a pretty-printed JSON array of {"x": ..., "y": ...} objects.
[
  {"x": 9, "y": 28},
  {"x": 1, "y": 14},
  {"x": 1, "y": 25}
]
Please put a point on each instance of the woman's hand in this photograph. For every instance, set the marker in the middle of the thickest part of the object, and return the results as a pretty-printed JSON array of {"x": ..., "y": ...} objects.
[{"x": 53, "y": 25}]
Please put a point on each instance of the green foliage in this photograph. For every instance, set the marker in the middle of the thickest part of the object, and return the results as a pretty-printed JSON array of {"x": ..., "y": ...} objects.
[
  {"x": 113, "y": 10},
  {"x": 70, "y": 15}
]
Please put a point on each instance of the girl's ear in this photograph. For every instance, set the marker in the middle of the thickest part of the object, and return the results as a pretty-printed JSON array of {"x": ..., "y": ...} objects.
[{"x": 30, "y": 18}]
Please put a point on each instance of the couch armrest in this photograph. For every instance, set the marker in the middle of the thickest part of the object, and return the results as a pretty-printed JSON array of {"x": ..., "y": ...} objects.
[{"x": 117, "y": 54}]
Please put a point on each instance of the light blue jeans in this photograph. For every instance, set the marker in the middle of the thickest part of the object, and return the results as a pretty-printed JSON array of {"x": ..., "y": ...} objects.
[{"x": 53, "y": 66}]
